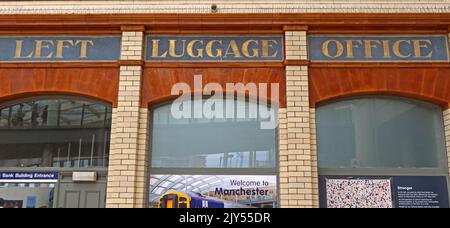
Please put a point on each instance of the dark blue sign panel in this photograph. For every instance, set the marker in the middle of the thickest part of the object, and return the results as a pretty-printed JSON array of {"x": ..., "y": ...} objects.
[
  {"x": 29, "y": 176},
  {"x": 414, "y": 48},
  {"x": 60, "y": 48},
  {"x": 383, "y": 192},
  {"x": 421, "y": 192},
  {"x": 214, "y": 48}
]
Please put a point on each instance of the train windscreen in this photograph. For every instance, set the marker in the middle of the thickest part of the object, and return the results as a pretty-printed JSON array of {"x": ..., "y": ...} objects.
[{"x": 169, "y": 201}]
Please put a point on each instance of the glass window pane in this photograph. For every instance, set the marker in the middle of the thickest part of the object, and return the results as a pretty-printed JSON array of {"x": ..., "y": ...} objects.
[
  {"x": 380, "y": 133},
  {"x": 216, "y": 142},
  {"x": 49, "y": 133},
  {"x": 94, "y": 115},
  {"x": 4, "y": 117},
  {"x": 71, "y": 113},
  {"x": 16, "y": 195}
]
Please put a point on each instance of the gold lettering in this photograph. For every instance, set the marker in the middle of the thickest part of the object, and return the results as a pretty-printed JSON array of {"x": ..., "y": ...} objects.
[
  {"x": 173, "y": 46},
  {"x": 368, "y": 45},
  {"x": 190, "y": 49},
  {"x": 396, "y": 48},
  {"x": 18, "y": 55},
  {"x": 386, "y": 49},
  {"x": 266, "y": 45},
  {"x": 245, "y": 49},
  {"x": 155, "y": 50},
  {"x": 60, "y": 45},
  {"x": 84, "y": 47},
  {"x": 209, "y": 47},
  {"x": 326, "y": 50},
  {"x": 234, "y": 47},
  {"x": 350, "y": 45},
  {"x": 418, "y": 45},
  {"x": 40, "y": 45}
]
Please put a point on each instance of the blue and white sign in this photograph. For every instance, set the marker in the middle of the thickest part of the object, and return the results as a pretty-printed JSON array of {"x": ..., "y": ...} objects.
[
  {"x": 421, "y": 192},
  {"x": 29, "y": 177}
]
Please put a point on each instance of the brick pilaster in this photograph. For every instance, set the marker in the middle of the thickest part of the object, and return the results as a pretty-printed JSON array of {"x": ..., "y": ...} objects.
[
  {"x": 124, "y": 180},
  {"x": 296, "y": 168}
]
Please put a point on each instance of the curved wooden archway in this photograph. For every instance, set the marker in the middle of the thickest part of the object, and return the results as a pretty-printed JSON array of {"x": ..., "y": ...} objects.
[
  {"x": 95, "y": 83},
  {"x": 427, "y": 84},
  {"x": 158, "y": 82}
]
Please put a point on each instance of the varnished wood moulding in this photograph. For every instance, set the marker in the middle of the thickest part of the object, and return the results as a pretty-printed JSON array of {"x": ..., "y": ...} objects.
[
  {"x": 379, "y": 64},
  {"x": 320, "y": 31},
  {"x": 34, "y": 32},
  {"x": 60, "y": 65},
  {"x": 296, "y": 62},
  {"x": 131, "y": 62},
  {"x": 249, "y": 21},
  {"x": 213, "y": 32},
  {"x": 130, "y": 28},
  {"x": 295, "y": 28},
  {"x": 213, "y": 64}
]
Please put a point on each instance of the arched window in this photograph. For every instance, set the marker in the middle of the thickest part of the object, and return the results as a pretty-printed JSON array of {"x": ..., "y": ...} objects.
[
  {"x": 54, "y": 132},
  {"x": 378, "y": 152},
  {"x": 380, "y": 132},
  {"x": 210, "y": 149},
  {"x": 202, "y": 142}
]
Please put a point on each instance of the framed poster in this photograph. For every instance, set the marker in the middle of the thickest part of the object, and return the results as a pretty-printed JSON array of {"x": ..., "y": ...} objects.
[
  {"x": 383, "y": 192},
  {"x": 358, "y": 193},
  {"x": 213, "y": 191}
]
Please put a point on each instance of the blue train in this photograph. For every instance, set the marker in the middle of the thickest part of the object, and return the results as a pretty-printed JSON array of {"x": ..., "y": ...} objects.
[{"x": 177, "y": 199}]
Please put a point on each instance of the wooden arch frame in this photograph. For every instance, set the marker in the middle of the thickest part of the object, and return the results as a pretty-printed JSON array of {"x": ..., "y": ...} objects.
[
  {"x": 426, "y": 84},
  {"x": 93, "y": 83}
]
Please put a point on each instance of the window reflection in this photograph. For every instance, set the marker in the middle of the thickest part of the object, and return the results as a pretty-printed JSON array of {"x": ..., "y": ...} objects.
[
  {"x": 380, "y": 132},
  {"x": 237, "y": 142},
  {"x": 54, "y": 132},
  {"x": 55, "y": 112},
  {"x": 18, "y": 195}
]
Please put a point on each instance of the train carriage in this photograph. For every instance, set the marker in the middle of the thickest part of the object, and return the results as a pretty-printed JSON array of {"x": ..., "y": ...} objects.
[{"x": 177, "y": 199}]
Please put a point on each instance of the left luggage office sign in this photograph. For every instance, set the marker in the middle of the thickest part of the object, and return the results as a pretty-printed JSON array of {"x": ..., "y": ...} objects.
[
  {"x": 23, "y": 177},
  {"x": 59, "y": 48}
]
